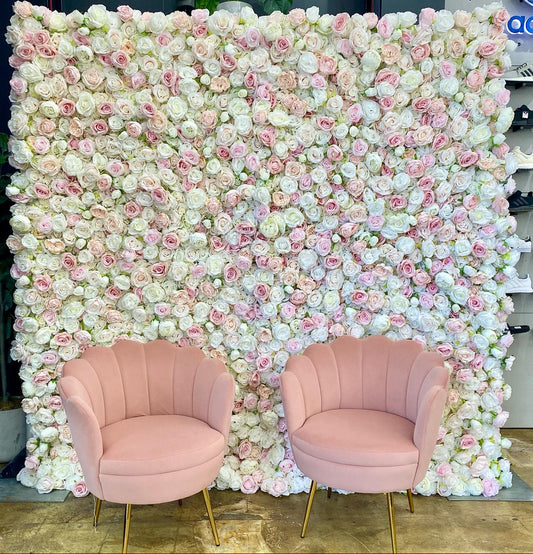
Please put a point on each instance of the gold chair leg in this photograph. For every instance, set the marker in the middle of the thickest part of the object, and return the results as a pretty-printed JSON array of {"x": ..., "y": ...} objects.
[
  {"x": 410, "y": 498},
  {"x": 329, "y": 492},
  {"x": 127, "y": 518},
  {"x": 392, "y": 523},
  {"x": 310, "y": 498},
  {"x": 210, "y": 514},
  {"x": 96, "y": 513}
]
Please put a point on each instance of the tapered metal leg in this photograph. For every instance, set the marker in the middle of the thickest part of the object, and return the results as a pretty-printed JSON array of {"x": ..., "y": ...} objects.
[
  {"x": 211, "y": 518},
  {"x": 392, "y": 522},
  {"x": 310, "y": 498},
  {"x": 410, "y": 498},
  {"x": 329, "y": 492},
  {"x": 97, "y": 506},
  {"x": 127, "y": 518},
  {"x": 180, "y": 502}
]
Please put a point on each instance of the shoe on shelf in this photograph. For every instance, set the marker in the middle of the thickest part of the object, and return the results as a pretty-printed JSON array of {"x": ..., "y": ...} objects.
[
  {"x": 523, "y": 117},
  {"x": 518, "y": 329},
  {"x": 523, "y": 245},
  {"x": 518, "y": 284},
  {"x": 522, "y": 73},
  {"x": 525, "y": 161},
  {"x": 519, "y": 202}
]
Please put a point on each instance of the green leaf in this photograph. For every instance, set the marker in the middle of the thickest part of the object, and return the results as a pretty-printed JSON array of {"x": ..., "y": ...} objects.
[{"x": 270, "y": 6}]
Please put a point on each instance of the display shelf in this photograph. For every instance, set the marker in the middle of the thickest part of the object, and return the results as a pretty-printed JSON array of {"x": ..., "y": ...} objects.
[{"x": 517, "y": 83}]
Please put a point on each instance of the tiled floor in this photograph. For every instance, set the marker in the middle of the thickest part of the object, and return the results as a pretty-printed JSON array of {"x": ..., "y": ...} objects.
[{"x": 262, "y": 523}]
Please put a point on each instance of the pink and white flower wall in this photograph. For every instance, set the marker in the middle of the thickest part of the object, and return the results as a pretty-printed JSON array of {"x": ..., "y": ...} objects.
[{"x": 251, "y": 185}]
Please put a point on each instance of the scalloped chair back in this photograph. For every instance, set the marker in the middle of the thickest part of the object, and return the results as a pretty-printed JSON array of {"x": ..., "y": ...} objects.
[
  {"x": 363, "y": 415},
  {"x": 149, "y": 422}
]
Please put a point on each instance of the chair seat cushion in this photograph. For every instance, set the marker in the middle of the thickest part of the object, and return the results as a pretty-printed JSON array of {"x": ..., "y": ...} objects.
[
  {"x": 155, "y": 444},
  {"x": 358, "y": 437}
]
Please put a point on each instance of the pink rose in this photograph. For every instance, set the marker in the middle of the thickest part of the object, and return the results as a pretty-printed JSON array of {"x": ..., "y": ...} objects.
[
  {"x": 491, "y": 487},
  {"x": 41, "y": 378},
  {"x": 363, "y": 317},
  {"x": 359, "y": 147},
  {"x": 340, "y": 23},
  {"x": 397, "y": 320},
  {"x": 355, "y": 113},
  {"x": 80, "y": 489},
  {"x": 385, "y": 27},
  {"x": 277, "y": 487},
  {"x": 487, "y": 48},
  {"x": 125, "y": 13},
  {"x": 467, "y": 159},
  {"x": 31, "y": 463},
  {"x": 447, "y": 69},
  {"x": 375, "y": 222},
  {"x": 420, "y": 52},
  {"x": 371, "y": 19},
  {"x": 500, "y": 419},
  {"x": 475, "y": 80},
  {"x": 248, "y": 485},
  {"x": 426, "y": 16}
]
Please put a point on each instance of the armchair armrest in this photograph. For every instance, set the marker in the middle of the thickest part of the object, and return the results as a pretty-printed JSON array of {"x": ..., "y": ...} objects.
[
  {"x": 213, "y": 396},
  {"x": 293, "y": 401},
  {"x": 86, "y": 435},
  {"x": 430, "y": 410}
]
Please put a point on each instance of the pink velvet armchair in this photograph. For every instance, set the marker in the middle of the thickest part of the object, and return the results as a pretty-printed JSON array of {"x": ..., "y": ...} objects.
[
  {"x": 363, "y": 415},
  {"x": 149, "y": 422}
]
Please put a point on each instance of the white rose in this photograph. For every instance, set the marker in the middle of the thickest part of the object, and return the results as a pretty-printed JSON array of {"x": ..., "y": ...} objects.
[
  {"x": 281, "y": 331},
  {"x": 307, "y": 259},
  {"x": 30, "y": 72},
  {"x": 373, "y": 162},
  {"x": 279, "y": 118},
  {"x": 480, "y": 215},
  {"x": 405, "y": 245},
  {"x": 331, "y": 300},
  {"x": 479, "y": 135},
  {"x": 371, "y": 60},
  {"x": 282, "y": 245},
  {"x": 308, "y": 63},
  {"x": 196, "y": 199},
  {"x": 96, "y": 16},
  {"x": 486, "y": 320},
  {"x": 380, "y": 323},
  {"x": 189, "y": 129},
  {"x": 272, "y": 225},
  {"x": 371, "y": 111},
  {"x": 167, "y": 328},
  {"x": 153, "y": 292},
  {"x": 444, "y": 280},
  {"x": 448, "y": 87},
  {"x": 176, "y": 108},
  {"x": 20, "y": 223},
  {"x": 411, "y": 80},
  {"x": 157, "y": 23},
  {"x": 312, "y": 14},
  {"x": 443, "y": 21},
  {"x": 215, "y": 264},
  {"x": 462, "y": 247}
]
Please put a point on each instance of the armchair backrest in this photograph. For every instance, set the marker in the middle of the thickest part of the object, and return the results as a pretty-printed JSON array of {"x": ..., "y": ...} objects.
[
  {"x": 374, "y": 373},
  {"x": 131, "y": 379}
]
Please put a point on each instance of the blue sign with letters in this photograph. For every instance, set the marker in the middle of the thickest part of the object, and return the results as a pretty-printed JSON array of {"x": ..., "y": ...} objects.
[{"x": 521, "y": 24}]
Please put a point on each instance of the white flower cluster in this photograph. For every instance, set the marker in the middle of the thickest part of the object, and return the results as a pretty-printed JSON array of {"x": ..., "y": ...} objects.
[{"x": 252, "y": 185}]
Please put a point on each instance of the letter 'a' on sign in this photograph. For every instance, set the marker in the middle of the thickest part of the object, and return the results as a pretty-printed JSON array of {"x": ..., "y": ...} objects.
[{"x": 518, "y": 24}]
